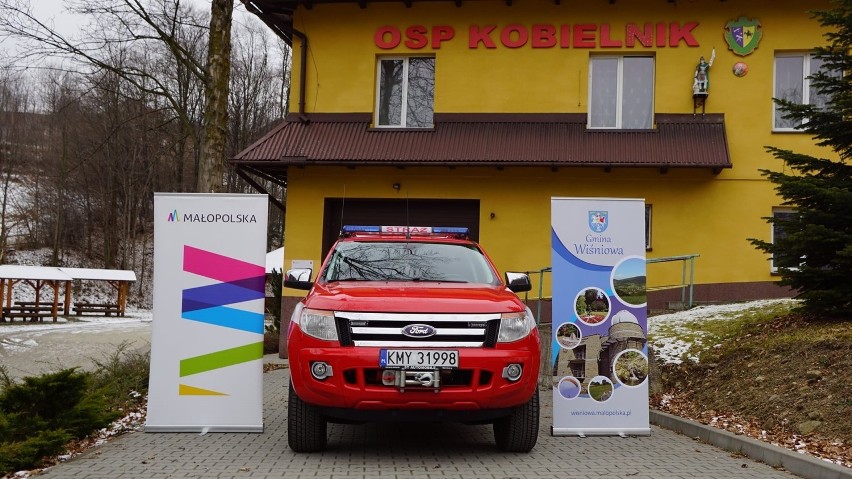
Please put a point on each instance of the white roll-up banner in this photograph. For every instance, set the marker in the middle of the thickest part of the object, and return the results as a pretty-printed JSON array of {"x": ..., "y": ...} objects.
[
  {"x": 207, "y": 337},
  {"x": 599, "y": 343}
]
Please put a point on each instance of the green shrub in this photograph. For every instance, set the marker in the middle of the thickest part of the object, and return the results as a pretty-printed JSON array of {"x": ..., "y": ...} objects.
[
  {"x": 270, "y": 341},
  {"x": 276, "y": 283},
  {"x": 41, "y": 414},
  {"x": 18, "y": 455},
  {"x": 121, "y": 373}
]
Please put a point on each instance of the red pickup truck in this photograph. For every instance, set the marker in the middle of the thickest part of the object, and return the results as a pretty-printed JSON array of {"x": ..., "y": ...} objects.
[{"x": 411, "y": 324}]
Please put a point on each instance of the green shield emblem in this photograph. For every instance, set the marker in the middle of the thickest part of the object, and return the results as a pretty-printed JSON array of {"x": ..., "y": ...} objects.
[{"x": 743, "y": 35}]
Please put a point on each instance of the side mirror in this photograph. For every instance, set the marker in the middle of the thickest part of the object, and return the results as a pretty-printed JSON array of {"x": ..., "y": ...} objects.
[
  {"x": 518, "y": 282},
  {"x": 299, "y": 278}
]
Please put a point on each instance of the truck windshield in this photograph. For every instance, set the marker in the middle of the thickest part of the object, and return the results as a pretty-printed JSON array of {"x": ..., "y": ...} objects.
[{"x": 398, "y": 261}]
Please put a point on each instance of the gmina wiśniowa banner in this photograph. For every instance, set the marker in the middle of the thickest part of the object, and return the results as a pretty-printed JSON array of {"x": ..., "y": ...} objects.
[
  {"x": 599, "y": 344},
  {"x": 207, "y": 335}
]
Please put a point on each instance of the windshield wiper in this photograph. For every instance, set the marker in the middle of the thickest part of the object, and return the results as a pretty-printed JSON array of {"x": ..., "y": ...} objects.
[{"x": 430, "y": 280}]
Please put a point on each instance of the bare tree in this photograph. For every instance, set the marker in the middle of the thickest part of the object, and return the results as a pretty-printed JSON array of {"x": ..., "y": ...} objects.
[
  {"x": 16, "y": 116},
  {"x": 260, "y": 72},
  {"x": 123, "y": 116},
  {"x": 164, "y": 31},
  {"x": 211, "y": 165}
]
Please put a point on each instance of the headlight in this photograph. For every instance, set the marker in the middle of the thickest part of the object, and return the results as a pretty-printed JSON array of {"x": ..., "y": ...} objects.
[
  {"x": 515, "y": 326},
  {"x": 317, "y": 323}
]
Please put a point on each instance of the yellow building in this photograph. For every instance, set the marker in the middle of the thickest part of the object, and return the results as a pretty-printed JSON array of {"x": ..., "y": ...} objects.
[{"x": 477, "y": 112}]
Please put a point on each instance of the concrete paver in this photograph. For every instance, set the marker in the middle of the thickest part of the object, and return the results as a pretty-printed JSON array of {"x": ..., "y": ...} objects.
[{"x": 397, "y": 450}]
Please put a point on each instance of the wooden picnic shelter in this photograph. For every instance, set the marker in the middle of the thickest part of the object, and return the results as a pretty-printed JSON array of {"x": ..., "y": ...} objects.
[
  {"x": 38, "y": 277},
  {"x": 119, "y": 279}
]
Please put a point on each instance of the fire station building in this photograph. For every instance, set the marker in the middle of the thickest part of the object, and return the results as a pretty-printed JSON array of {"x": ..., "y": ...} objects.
[{"x": 476, "y": 112}]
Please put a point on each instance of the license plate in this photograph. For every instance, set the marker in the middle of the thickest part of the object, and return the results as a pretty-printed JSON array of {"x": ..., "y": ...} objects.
[{"x": 418, "y": 358}]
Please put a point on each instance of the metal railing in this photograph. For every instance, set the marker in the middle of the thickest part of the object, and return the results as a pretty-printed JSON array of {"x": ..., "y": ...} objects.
[
  {"x": 541, "y": 296},
  {"x": 686, "y": 302},
  {"x": 683, "y": 284}
]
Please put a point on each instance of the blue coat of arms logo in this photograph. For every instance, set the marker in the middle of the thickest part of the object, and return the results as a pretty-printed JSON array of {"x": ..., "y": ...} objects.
[{"x": 598, "y": 221}]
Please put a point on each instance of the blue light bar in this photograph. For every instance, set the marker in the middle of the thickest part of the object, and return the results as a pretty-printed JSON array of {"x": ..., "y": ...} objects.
[
  {"x": 451, "y": 230},
  {"x": 406, "y": 230},
  {"x": 361, "y": 229}
]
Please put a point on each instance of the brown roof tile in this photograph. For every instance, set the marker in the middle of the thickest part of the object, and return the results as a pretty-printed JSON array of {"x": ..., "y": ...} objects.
[{"x": 678, "y": 141}]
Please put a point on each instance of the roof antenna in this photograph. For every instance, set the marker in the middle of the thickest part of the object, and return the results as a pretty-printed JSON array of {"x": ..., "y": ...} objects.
[
  {"x": 407, "y": 220},
  {"x": 342, "y": 209}
]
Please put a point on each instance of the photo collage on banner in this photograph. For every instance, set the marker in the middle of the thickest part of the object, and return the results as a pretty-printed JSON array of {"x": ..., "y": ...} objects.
[
  {"x": 599, "y": 345},
  {"x": 209, "y": 291}
]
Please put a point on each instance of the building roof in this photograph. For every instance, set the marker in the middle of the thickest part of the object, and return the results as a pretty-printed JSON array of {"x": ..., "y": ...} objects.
[
  {"x": 278, "y": 14},
  {"x": 100, "y": 274},
  {"x": 48, "y": 273},
  {"x": 51, "y": 273},
  {"x": 552, "y": 140}
]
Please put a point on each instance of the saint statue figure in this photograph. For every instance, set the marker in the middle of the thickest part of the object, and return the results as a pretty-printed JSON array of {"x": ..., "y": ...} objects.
[{"x": 701, "y": 81}]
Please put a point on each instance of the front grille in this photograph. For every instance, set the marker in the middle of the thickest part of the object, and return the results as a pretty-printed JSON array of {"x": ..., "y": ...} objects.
[{"x": 385, "y": 329}]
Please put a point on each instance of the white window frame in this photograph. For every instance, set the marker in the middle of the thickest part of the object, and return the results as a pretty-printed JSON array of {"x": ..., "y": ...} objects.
[
  {"x": 619, "y": 117},
  {"x": 806, "y": 85},
  {"x": 780, "y": 209},
  {"x": 649, "y": 215},
  {"x": 404, "y": 114}
]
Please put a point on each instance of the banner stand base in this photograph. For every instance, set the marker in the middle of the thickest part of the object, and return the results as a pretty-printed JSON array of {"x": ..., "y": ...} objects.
[
  {"x": 566, "y": 431},
  {"x": 203, "y": 429}
]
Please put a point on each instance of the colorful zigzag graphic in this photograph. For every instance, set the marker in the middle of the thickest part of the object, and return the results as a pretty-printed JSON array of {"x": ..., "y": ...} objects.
[{"x": 239, "y": 281}]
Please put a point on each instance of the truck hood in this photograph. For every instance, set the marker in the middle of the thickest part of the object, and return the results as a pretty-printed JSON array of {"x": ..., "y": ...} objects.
[{"x": 411, "y": 297}]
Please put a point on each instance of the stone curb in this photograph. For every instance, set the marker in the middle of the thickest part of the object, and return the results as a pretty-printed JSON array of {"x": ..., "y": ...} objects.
[{"x": 802, "y": 465}]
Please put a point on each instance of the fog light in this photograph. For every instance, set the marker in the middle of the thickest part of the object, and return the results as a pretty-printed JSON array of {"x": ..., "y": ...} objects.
[
  {"x": 512, "y": 372},
  {"x": 321, "y": 370},
  {"x": 388, "y": 377}
]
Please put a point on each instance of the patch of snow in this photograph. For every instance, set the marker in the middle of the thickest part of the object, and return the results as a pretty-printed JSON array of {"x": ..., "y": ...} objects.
[{"x": 666, "y": 330}]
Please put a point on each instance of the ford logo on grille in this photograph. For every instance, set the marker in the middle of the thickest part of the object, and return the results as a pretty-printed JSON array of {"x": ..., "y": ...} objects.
[{"x": 419, "y": 331}]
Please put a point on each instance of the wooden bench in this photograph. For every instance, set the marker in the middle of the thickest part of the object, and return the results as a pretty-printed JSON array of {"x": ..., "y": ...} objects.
[
  {"x": 34, "y": 313},
  {"x": 107, "y": 309},
  {"x": 40, "y": 305}
]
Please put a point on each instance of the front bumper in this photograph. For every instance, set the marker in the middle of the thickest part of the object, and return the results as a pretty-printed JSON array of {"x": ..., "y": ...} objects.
[{"x": 355, "y": 389}]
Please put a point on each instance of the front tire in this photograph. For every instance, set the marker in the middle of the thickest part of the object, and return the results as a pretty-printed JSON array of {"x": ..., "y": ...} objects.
[
  {"x": 307, "y": 429},
  {"x": 518, "y": 432}
]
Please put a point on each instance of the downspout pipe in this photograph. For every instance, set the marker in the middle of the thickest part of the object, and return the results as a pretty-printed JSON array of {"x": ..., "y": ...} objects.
[{"x": 303, "y": 72}]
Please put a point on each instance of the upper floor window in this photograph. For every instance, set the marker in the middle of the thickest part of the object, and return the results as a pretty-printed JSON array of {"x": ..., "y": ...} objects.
[
  {"x": 621, "y": 92},
  {"x": 406, "y": 92},
  {"x": 792, "y": 84}
]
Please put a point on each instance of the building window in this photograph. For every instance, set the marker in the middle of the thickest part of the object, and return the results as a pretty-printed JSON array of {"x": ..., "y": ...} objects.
[
  {"x": 792, "y": 84},
  {"x": 621, "y": 92},
  {"x": 406, "y": 92},
  {"x": 648, "y": 227},
  {"x": 779, "y": 233}
]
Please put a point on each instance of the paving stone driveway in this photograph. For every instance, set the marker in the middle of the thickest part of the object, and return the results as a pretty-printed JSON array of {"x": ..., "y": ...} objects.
[{"x": 403, "y": 450}]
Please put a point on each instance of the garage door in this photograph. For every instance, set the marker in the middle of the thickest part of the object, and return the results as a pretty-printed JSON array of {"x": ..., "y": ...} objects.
[{"x": 385, "y": 212}]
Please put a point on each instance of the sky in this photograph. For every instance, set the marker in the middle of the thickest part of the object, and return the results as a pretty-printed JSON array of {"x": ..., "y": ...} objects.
[
  {"x": 55, "y": 9},
  {"x": 54, "y": 13}
]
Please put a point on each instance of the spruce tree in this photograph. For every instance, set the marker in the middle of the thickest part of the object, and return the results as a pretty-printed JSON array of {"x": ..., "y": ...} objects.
[{"x": 814, "y": 254}]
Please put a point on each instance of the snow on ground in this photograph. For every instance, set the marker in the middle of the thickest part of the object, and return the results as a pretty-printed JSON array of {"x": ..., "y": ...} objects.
[
  {"x": 667, "y": 332},
  {"x": 28, "y": 349}
]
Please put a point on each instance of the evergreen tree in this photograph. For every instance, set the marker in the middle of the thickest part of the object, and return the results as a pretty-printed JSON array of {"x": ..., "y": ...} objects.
[{"x": 814, "y": 254}]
